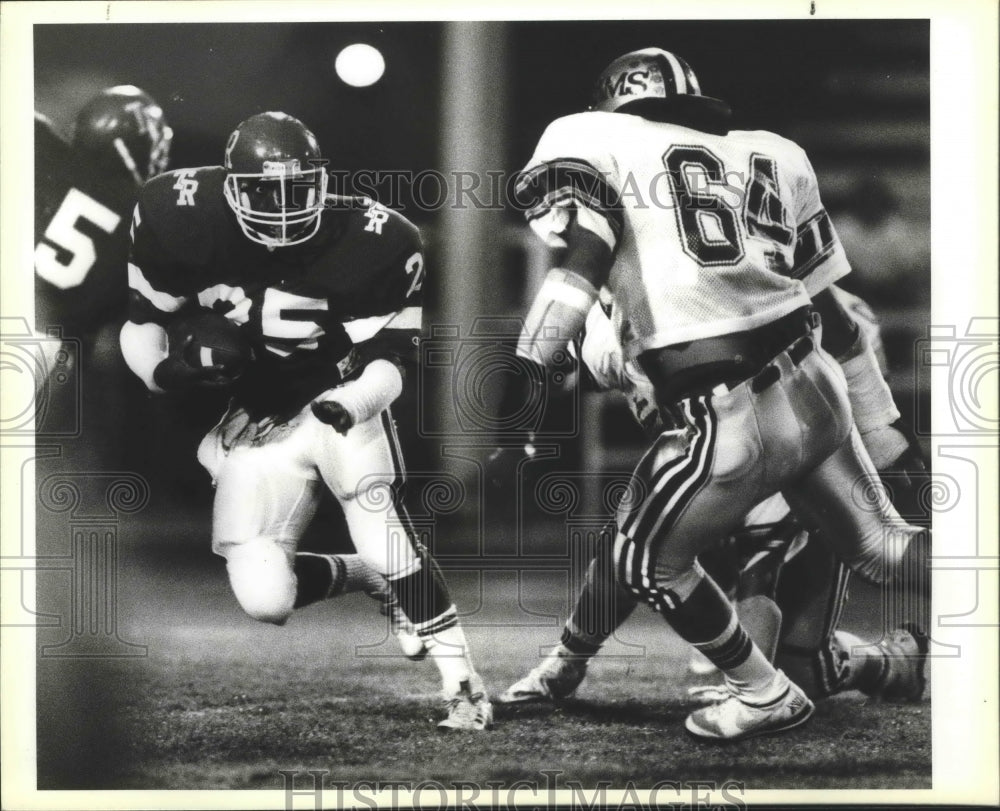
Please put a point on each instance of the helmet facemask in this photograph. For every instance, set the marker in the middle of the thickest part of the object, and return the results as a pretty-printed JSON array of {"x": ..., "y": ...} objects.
[{"x": 279, "y": 206}]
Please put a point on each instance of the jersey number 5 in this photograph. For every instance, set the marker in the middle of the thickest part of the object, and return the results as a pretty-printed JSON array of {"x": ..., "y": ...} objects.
[{"x": 67, "y": 264}]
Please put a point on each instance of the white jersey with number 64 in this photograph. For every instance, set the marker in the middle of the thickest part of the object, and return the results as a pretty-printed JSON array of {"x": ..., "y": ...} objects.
[{"x": 712, "y": 234}]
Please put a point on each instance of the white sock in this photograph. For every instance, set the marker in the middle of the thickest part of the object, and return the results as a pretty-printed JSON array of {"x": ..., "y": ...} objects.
[{"x": 450, "y": 652}]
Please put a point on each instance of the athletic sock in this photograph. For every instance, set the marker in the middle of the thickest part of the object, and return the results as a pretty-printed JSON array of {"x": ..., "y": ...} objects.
[
  {"x": 449, "y": 651},
  {"x": 322, "y": 577},
  {"x": 424, "y": 599},
  {"x": 423, "y": 596},
  {"x": 707, "y": 620}
]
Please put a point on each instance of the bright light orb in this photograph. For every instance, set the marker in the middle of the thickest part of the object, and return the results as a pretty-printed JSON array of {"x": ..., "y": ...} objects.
[{"x": 360, "y": 65}]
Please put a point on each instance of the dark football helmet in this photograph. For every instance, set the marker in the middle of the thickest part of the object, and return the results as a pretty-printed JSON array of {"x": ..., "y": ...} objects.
[
  {"x": 276, "y": 181},
  {"x": 656, "y": 84},
  {"x": 124, "y": 126}
]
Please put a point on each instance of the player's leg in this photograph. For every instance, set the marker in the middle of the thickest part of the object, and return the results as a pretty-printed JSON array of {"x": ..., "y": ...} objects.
[
  {"x": 325, "y": 576},
  {"x": 842, "y": 496},
  {"x": 891, "y": 669},
  {"x": 265, "y": 496},
  {"x": 259, "y": 555},
  {"x": 698, "y": 489},
  {"x": 601, "y": 608},
  {"x": 365, "y": 471},
  {"x": 812, "y": 593},
  {"x": 825, "y": 661}
]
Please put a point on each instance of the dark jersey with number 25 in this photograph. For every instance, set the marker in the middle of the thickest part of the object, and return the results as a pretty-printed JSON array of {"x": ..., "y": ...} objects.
[
  {"x": 314, "y": 313},
  {"x": 81, "y": 238}
]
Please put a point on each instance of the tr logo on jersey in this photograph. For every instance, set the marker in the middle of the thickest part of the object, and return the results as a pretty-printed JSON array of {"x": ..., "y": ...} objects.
[
  {"x": 187, "y": 186},
  {"x": 377, "y": 216}
]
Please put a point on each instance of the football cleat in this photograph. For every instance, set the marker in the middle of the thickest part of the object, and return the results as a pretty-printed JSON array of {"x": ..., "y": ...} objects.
[
  {"x": 468, "y": 710},
  {"x": 735, "y": 720},
  {"x": 413, "y": 646},
  {"x": 708, "y": 693},
  {"x": 557, "y": 677},
  {"x": 903, "y": 677}
]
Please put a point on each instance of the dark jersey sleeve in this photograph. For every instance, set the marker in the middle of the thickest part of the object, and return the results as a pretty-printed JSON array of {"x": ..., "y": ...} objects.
[
  {"x": 171, "y": 242},
  {"x": 397, "y": 296}
]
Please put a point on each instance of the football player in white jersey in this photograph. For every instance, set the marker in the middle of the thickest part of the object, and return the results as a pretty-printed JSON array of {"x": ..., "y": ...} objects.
[
  {"x": 718, "y": 249},
  {"x": 790, "y": 591}
]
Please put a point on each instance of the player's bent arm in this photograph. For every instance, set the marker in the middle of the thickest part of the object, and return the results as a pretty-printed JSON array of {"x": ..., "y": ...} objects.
[
  {"x": 561, "y": 305},
  {"x": 144, "y": 347},
  {"x": 373, "y": 391},
  {"x": 872, "y": 405}
]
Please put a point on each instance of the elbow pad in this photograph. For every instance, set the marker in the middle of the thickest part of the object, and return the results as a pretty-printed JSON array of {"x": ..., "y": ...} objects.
[{"x": 374, "y": 391}]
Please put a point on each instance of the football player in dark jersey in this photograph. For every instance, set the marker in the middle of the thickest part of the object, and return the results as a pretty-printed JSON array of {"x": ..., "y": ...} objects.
[
  {"x": 327, "y": 292},
  {"x": 84, "y": 195}
]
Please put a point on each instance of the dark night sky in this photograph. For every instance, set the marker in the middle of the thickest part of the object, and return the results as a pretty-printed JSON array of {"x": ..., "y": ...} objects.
[{"x": 210, "y": 76}]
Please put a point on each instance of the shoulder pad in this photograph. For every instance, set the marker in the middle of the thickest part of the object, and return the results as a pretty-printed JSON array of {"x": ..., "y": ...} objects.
[
  {"x": 371, "y": 217},
  {"x": 181, "y": 208}
]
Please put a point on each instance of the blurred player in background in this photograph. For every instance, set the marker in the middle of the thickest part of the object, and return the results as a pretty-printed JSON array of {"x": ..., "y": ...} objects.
[
  {"x": 84, "y": 195},
  {"x": 790, "y": 590},
  {"x": 326, "y": 291},
  {"x": 721, "y": 266}
]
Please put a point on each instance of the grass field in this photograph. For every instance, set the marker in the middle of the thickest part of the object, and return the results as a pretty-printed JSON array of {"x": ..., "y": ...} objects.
[{"x": 220, "y": 701}]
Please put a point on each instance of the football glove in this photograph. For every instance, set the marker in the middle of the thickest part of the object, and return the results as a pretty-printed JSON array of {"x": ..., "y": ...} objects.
[
  {"x": 332, "y": 413},
  {"x": 174, "y": 373}
]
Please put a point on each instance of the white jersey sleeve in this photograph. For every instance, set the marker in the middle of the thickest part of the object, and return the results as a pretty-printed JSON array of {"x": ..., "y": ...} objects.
[
  {"x": 571, "y": 176},
  {"x": 819, "y": 257}
]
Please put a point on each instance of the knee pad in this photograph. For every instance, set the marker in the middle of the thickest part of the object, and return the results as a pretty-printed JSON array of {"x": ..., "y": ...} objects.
[{"x": 262, "y": 578}]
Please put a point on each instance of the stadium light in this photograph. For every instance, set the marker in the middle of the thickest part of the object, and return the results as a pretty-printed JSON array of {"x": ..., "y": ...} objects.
[{"x": 360, "y": 65}]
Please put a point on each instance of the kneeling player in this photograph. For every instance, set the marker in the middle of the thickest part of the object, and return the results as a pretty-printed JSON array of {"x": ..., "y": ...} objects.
[{"x": 326, "y": 290}]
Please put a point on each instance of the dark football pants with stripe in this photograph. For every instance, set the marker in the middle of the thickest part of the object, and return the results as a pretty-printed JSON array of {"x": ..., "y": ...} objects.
[{"x": 811, "y": 592}]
